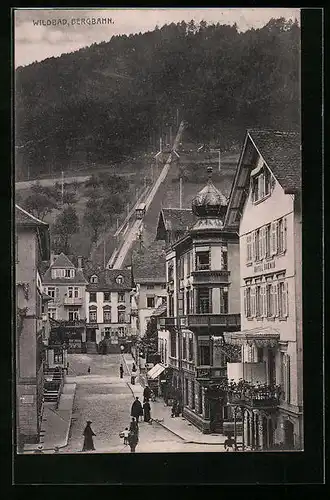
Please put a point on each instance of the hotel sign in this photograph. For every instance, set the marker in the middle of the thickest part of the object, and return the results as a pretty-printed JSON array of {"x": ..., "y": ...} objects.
[{"x": 266, "y": 266}]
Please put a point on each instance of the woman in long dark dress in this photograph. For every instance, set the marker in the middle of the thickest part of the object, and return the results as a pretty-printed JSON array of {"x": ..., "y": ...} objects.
[
  {"x": 88, "y": 441},
  {"x": 146, "y": 411},
  {"x": 134, "y": 427},
  {"x": 133, "y": 440}
]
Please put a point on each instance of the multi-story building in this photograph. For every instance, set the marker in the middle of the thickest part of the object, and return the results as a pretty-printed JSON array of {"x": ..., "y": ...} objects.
[
  {"x": 32, "y": 248},
  {"x": 66, "y": 284},
  {"x": 265, "y": 207},
  {"x": 108, "y": 304},
  {"x": 202, "y": 266}
]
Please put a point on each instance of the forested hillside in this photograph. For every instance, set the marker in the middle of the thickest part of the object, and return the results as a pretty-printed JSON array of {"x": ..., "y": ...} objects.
[{"x": 111, "y": 100}]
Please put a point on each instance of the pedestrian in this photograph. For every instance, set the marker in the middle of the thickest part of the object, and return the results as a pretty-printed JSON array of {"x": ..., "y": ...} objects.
[
  {"x": 136, "y": 410},
  {"x": 88, "y": 441},
  {"x": 67, "y": 368},
  {"x": 121, "y": 371},
  {"x": 133, "y": 378},
  {"x": 133, "y": 440},
  {"x": 146, "y": 411},
  {"x": 89, "y": 369},
  {"x": 174, "y": 408},
  {"x": 133, "y": 368},
  {"x": 126, "y": 434},
  {"x": 134, "y": 427},
  {"x": 146, "y": 393},
  {"x": 230, "y": 443}
]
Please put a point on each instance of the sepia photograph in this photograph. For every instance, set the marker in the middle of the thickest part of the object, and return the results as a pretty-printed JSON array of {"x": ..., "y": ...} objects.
[{"x": 158, "y": 231}]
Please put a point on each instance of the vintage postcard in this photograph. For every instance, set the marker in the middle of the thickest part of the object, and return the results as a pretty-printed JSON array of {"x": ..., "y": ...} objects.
[{"x": 158, "y": 231}]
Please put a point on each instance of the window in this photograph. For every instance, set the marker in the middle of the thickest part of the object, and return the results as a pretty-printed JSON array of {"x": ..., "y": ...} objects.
[
  {"x": 107, "y": 332},
  {"x": 224, "y": 258},
  {"x": 247, "y": 302},
  {"x": 150, "y": 301},
  {"x": 224, "y": 300},
  {"x": 106, "y": 296},
  {"x": 171, "y": 305},
  {"x": 202, "y": 261},
  {"x": 94, "y": 279},
  {"x": 170, "y": 273},
  {"x": 119, "y": 279},
  {"x": 184, "y": 346},
  {"x": 52, "y": 312},
  {"x": 191, "y": 349},
  {"x": 150, "y": 287},
  {"x": 257, "y": 244},
  {"x": 173, "y": 343},
  {"x": 261, "y": 185},
  {"x": 73, "y": 314},
  {"x": 69, "y": 273},
  {"x": 188, "y": 263},
  {"x": 204, "y": 355},
  {"x": 121, "y": 316},
  {"x": 188, "y": 302},
  {"x": 249, "y": 256},
  {"x": 260, "y": 354},
  {"x": 73, "y": 292},
  {"x": 181, "y": 268},
  {"x": 255, "y": 189},
  {"x": 204, "y": 305},
  {"x": 106, "y": 315},
  {"x": 281, "y": 235},
  {"x": 51, "y": 291},
  {"x": 92, "y": 296},
  {"x": 58, "y": 356},
  {"x": 121, "y": 331},
  {"x": 121, "y": 297},
  {"x": 285, "y": 377},
  {"x": 267, "y": 241},
  {"x": 180, "y": 303},
  {"x": 258, "y": 301},
  {"x": 269, "y": 301},
  {"x": 282, "y": 299},
  {"x": 92, "y": 315}
]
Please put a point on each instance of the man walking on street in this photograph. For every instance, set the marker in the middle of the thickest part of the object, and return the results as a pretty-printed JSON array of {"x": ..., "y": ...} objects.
[
  {"x": 136, "y": 410},
  {"x": 121, "y": 370}
]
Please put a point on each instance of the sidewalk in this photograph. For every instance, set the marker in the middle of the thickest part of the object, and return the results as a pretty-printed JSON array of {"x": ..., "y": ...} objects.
[
  {"x": 55, "y": 422},
  {"x": 179, "y": 426}
]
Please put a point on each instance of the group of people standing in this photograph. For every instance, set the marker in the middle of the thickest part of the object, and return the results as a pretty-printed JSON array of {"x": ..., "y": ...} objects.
[{"x": 138, "y": 410}]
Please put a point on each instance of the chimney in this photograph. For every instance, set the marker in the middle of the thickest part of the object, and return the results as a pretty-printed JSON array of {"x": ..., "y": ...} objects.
[
  {"x": 52, "y": 258},
  {"x": 80, "y": 264}
]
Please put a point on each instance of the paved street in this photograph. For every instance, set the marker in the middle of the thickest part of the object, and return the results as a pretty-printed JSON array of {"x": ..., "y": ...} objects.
[{"x": 105, "y": 399}]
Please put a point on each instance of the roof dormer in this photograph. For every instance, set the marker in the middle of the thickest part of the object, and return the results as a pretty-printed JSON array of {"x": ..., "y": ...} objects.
[{"x": 94, "y": 279}]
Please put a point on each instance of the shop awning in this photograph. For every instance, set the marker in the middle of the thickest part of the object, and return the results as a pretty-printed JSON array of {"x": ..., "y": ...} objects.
[
  {"x": 260, "y": 337},
  {"x": 155, "y": 371}
]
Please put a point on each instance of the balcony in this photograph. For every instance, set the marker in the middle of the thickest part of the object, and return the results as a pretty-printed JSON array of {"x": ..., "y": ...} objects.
[
  {"x": 170, "y": 322},
  {"x": 72, "y": 323},
  {"x": 210, "y": 373},
  {"x": 254, "y": 396},
  {"x": 73, "y": 301},
  {"x": 224, "y": 320},
  {"x": 206, "y": 276}
]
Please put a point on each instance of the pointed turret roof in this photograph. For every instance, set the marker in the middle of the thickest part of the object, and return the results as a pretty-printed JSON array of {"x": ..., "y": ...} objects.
[{"x": 209, "y": 202}]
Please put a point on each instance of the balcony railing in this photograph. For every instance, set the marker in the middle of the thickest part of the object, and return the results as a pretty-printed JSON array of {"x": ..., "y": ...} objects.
[
  {"x": 206, "y": 276},
  {"x": 72, "y": 323},
  {"x": 73, "y": 301},
  {"x": 202, "y": 267},
  {"x": 253, "y": 395},
  {"x": 226, "y": 320},
  {"x": 210, "y": 372}
]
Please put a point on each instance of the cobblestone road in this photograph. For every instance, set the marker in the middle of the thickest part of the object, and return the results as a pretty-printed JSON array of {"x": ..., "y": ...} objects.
[{"x": 106, "y": 400}]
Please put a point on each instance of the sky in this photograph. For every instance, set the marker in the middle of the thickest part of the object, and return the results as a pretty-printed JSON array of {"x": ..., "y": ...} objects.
[{"x": 43, "y": 33}]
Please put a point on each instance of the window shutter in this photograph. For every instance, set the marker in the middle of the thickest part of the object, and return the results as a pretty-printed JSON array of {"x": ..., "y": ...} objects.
[
  {"x": 57, "y": 292},
  {"x": 285, "y": 300},
  {"x": 253, "y": 236},
  {"x": 284, "y": 234},
  {"x": 248, "y": 248},
  {"x": 273, "y": 239},
  {"x": 263, "y": 300},
  {"x": 245, "y": 302},
  {"x": 263, "y": 242},
  {"x": 276, "y": 287},
  {"x": 253, "y": 301}
]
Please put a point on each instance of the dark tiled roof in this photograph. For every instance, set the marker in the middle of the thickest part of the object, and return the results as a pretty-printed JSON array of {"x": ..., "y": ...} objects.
[
  {"x": 281, "y": 151},
  {"x": 107, "y": 280},
  {"x": 22, "y": 217},
  {"x": 178, "y": 219},
  {"x": 150, "y": 265},
  {"x": 62, "y": 262}
]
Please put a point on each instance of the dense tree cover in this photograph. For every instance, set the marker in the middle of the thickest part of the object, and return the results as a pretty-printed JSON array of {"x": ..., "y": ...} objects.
[
  {"x": 113, "y": 99},
  {"x": 66, "y": 224}
]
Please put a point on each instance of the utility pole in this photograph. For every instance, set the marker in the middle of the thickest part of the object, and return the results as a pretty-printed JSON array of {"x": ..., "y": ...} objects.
[
  {"x": 62, "y": 190},
  {"x": 160, "y": 144},
  {"x": 104, "y": 254},
  {"x": 171, "y": 135},
  {"x": 219, "y": 159},
  {"x": 180, "y": 192},
  {"x": 177, "y": 117}
]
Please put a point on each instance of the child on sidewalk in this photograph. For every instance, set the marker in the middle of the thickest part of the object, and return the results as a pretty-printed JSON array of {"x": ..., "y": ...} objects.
[{"x": 126, "y": 433}]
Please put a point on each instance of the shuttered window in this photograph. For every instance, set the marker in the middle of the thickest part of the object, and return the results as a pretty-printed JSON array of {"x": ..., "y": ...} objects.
[
  {"x": 253, "y": 302},
  {"x": 273, "y": 240},
  {"x": 249, "y": 248},
  {"x": 275, "y": 302},
  {"x": 180, "y": 303},
  {"x": 263, "y": 300}
]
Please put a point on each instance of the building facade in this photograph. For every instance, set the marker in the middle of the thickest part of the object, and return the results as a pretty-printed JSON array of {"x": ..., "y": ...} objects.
[
  {"x": 203, "y": 301},
  {"x": 32, "y": 248},
  {"x": 108, "y": 305},
  {"x": 265, "y": 208},
  {"x": 66, "y": 285}
]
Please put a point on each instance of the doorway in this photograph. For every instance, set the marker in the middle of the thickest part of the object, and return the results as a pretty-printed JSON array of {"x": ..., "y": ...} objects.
[
  {"x": 288, "y": 435},
  {"x": 216, "y": 416}
]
